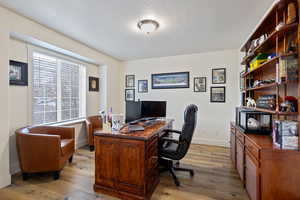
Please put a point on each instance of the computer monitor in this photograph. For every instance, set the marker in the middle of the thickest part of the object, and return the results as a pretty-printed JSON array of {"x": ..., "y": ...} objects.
[
  {"x": 153, "y": 109},
  {"x": 133, "y": 111}
]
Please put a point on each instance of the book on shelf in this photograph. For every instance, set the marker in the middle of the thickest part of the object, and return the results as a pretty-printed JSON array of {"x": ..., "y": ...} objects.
[
  {"x": 288, "y": 68},
  {"x": 285, "y": 134}
]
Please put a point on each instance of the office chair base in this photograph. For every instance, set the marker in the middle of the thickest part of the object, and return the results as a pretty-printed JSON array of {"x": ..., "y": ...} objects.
[{"x": 170, "y": 167}]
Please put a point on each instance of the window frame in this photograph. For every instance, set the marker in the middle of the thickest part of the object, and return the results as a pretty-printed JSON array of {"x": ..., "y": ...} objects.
[{"x": 34, "y": 49}]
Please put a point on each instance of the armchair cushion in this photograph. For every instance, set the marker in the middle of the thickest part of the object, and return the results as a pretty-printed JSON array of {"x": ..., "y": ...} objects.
[{"x": 67, "y": 146}]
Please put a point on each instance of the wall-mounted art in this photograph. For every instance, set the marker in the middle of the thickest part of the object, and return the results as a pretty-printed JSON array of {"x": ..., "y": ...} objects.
[
  {"x": 171, "y": 80},
  {"x": 18, "y": 73},
  {"x": 200, "y": 84},
  {"x": 130, "y": 81},
  {"x": 93, "y": 84},
  {"x": 219, "y": 76},
  {"x": 217, "y": 94},
  {"x": 129, "y": 94},
  {"x": 142, "y": 86}
]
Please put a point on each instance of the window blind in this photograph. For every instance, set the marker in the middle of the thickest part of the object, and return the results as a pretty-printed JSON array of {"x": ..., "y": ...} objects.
[{"x": 58, "y": 89}]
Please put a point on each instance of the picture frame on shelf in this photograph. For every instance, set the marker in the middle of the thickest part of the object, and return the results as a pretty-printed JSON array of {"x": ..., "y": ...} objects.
[
  {"x": 142, "y": 86},
  {"x": 129, "y": 94},
  {"x": 199, "y": 84},
  {"x": 172, "y": 80},
  {"x": 242, "y": 81},
  {"x": 130, "y": 81},
  {"x": 93, "y": 84},
  {"x": 18, "y": 73},
  {"x": 218, "y": 94},
  {"x": 218, "y": 76}
]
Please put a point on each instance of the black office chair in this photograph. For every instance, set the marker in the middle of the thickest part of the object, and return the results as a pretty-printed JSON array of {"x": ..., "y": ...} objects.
[{"x": 171, "y": 149}]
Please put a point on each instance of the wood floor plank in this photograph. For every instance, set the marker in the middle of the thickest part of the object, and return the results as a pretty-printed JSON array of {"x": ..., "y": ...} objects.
[{"x": 215, "y": 179}]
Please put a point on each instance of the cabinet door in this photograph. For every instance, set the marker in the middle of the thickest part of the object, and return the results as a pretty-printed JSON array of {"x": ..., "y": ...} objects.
[
  {"x": 106, "y": 161},
  {"x": 240, "y": 159},
  {"x": 131, "y": 169},
  {"x": 252, "y": 178},
  {"x": 233, "y": 148}
]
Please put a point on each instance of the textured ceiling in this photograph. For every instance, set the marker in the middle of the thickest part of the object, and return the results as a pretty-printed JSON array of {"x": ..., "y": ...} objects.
[{"x": 186, "y": 26}]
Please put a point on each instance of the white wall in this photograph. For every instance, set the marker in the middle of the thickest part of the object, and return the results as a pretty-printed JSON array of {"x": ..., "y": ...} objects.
[
  {"x": 15, "y": 114},
  {"x": 213, "y": 118},
  {"x": 4, "y": 120}
]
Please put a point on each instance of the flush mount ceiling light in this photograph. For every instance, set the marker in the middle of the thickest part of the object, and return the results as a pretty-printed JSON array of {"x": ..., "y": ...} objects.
[{"x": 148, "y": 25}]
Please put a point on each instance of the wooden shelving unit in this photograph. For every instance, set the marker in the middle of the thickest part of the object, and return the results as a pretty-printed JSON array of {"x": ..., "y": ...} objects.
[
  {"x": 276, "y": 43},
  {"x": 260, "y": 163}
]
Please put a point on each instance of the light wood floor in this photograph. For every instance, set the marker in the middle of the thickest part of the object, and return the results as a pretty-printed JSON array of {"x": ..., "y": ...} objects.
[{"x": 215, "y": 179}]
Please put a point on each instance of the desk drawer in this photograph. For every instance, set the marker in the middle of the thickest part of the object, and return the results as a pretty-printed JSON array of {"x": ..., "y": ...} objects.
[
  {"x": 252, "y": 148},
  {"x": 240, "y": 136}
]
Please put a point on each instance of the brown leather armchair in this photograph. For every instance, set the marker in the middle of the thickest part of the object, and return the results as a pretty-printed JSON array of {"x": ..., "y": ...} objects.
[
  {"x": 45, "y": 149},
  {"x": 92, "y": 123}
]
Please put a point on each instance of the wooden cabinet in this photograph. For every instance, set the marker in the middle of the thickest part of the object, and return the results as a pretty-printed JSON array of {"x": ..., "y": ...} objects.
[
  {"x": 232, "y": 145},
  {"x": 268, "y": 173},
  {"x": 240, "y": 159},
  {"x": 126, "y": 165},
  {"x": 251, "y": 177}
]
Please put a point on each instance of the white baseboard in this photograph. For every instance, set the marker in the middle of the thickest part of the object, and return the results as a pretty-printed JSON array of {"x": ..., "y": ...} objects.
[{"x": 206, "y": 141}]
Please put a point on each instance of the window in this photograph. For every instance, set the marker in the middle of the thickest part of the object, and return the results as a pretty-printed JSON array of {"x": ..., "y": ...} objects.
[{"x": 58, "y": 89}]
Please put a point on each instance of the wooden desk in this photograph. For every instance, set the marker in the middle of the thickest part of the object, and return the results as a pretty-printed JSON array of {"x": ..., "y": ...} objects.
[{"x": 126, "y": 165}]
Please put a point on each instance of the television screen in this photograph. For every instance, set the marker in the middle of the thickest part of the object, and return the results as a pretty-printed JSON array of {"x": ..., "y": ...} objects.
[{"x": 154, "y": 108}]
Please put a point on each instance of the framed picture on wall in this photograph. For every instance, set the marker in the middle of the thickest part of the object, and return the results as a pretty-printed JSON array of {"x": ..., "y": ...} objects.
[
  {"x": 18, "y": 73},
  {"x": 129, "y": 94},
  {"x": 217, "y": 94},
  {"x": 130, "y": 81},
  {"x": 219, "y": 76},
  {"x": 200, "y": 84},
  {"x": 93, "y": 84},
  {"x": 171, "y": 80},
  {"x": 142, "y": 86}
]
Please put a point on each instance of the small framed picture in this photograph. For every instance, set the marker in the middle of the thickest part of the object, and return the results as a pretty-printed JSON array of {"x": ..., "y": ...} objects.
[
  {"x": 93, "y": 84},
  {"x": 219, "y": 76},
  {"x": 200, "y": 84},
  {"x": 142, "y": 86},
  {"x": 217, "y": 94},
  {"x": 130, "y": 81},
  {"x": 129, "y": 94},
  {"x": 18, "y": 73}
]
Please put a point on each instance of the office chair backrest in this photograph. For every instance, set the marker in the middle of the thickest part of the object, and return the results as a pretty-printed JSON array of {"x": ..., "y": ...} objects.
[{"x": 190, "y": 121}]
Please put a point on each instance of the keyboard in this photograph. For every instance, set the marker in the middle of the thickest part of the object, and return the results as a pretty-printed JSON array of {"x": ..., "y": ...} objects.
[{"x": 133, "y": 128}]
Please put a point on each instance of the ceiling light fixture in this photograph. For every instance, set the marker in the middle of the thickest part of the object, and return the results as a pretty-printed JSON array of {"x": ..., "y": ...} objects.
[{"x": 148, "y": 25}]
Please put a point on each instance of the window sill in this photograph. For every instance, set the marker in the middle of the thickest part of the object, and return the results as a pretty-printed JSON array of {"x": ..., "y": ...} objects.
[{"x": 67, "y": 123}]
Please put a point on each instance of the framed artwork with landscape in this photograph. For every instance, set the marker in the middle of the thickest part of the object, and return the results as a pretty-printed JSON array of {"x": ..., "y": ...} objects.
[
  {"x": 129, "y": 94},
  {"x": 219, "y": 76},
  {"x": 171, "y": 80},
  {"x": 200, "y": 84},
  {"x": 217, "y": 94},
  {"x": 142, "y": 86},
  {"x": 18, "y": 73},
  {"x": 130, "y": 81}
]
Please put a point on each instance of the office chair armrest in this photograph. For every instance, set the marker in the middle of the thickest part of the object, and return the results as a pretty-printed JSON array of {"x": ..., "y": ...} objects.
[
  {"x": 172, "y": 131},
  {"x": 167, "y": 139}
]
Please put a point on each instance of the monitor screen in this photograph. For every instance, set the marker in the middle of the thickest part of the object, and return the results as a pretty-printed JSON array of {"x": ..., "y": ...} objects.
[
  {"x": 133, "y": 111},
  {"x": 154, "y": 108}
]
